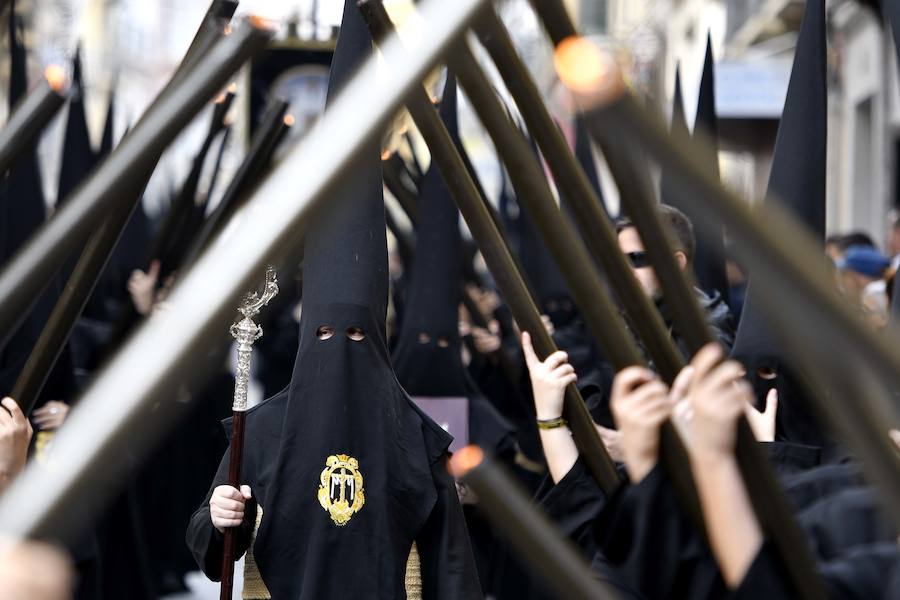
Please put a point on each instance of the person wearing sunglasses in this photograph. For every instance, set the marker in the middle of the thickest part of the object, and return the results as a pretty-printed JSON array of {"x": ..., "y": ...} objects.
[{"x": 684, "y": 244}]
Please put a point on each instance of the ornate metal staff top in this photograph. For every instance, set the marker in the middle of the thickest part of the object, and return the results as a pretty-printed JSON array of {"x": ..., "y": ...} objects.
[{"x": 246, "y": 331}]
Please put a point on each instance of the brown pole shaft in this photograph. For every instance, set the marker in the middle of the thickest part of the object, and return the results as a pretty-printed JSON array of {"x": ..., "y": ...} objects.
[
  {"x": 76, "y": 293},
  {"x": 69, "y": 307},
  {"x": 534, "y": 537},
  {"x": 772, "y": 508},
  {"x": 533, "y": 193},
  {"x": 262, "y": 147},
  {"x": 22, "y": 279},
  {"x": 601, "y": 238},
  {"x": 115, "y": 413},
  {"x": 235, "y": 463},
  {"x": 572, "y": 182},
  {"x": 498, "y": 258},
  {"x": 813, "y": 319}
]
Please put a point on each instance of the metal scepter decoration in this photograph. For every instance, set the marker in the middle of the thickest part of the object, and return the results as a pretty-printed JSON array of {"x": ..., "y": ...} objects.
[{"x": 245, "y": 332}]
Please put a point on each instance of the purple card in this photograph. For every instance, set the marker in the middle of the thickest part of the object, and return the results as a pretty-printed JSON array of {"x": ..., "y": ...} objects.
[{"x": 450, "y": 413}]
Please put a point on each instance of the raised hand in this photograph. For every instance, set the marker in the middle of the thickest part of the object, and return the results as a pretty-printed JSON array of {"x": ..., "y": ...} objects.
[
  {"x": 142, "y": 287},
  {"x": 763, "y": 423},
  {"x": 718, "y": 397},
  {"x": 549, "y": 379},
  {"x": 640, "y": 404}
]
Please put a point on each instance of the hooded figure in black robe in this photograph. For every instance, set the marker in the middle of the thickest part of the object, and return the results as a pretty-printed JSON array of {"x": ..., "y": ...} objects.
[
  {"x": 427, "y": 357},
  {"x": 797, "y": 181},
  {"x": 360, "y": 473}
]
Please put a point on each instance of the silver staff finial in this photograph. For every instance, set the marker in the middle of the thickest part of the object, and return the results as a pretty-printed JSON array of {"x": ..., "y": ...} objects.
[{"x": 246, "y": 332}]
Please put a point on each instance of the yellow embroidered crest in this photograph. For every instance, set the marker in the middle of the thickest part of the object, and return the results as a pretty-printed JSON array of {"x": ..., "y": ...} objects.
[{"x": 341, "y": 488}]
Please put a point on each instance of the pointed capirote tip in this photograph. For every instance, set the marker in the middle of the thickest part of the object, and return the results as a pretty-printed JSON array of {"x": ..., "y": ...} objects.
[
  {"x": 56, "y": 78},
  {"x": 289, "y": 120},
  {"x": 466, "y": 459},
  {"x": 589, "y": 73}
]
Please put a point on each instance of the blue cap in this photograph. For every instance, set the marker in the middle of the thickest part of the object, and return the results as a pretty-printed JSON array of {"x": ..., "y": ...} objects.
[{"x": 865, "y": 260}]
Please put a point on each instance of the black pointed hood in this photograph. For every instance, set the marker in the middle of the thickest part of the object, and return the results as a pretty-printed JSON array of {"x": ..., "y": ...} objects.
[
  {"x": 797, "y": 181},
  {"x": 540, "y": 269},
  {"x": 360, "y": 471},
  {"x": 128, "y": 254},
  {"x": 427, "y": 355},
  {"x": 709, "y": 253},
  {"x": 78, "y": 158},
  {"x": 709, "y": 259}
]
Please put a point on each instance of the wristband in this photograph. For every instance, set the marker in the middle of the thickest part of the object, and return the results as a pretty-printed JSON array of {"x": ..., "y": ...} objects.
[{"x": 551, "y": 423}]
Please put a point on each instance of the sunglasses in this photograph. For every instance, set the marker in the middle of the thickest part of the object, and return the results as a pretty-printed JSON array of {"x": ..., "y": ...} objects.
[{"x": 638, "y": 259}]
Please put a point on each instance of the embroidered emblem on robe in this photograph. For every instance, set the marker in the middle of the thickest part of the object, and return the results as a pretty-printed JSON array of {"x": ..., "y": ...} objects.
[{"x": 341, "y": 488}]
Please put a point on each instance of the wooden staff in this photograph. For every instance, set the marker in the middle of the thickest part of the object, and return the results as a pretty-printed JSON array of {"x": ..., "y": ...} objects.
[
  {"x": 498, "y": 257},
  {"x": 245, "y": 332},
  {"x": 23, "y": 279},
  {"x": 113, "y": 422},
  {"x": 271, "y": 130},
  {"x": 769, "y": 502},
  {"x": 534, "y": 537},
  {"x": 80, "y": 285}
]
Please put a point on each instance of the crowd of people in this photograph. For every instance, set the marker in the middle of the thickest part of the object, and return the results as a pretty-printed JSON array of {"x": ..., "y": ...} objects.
[{"x": 389, "y": 349}]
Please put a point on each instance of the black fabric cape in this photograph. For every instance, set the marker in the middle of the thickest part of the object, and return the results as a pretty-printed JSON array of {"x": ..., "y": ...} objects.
[
  {"x": 797, "y": 181},
  {"x": 360, "y": 473}
]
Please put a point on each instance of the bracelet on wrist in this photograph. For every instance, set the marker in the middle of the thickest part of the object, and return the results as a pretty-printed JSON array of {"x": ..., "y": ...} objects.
[{"x": 554, "y": 423}]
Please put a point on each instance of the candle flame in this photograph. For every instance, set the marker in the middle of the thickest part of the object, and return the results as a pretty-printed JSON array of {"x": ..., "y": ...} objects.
[
  {"x": 466, "y": 459},
  {"x": 261, "y": 22},
  {"x": 232, "y": 87},
  {"x": 587, "y": 71},
  {"x": 289, "y": 120},
  {"x": 386, "y": 154},
  {"x": 56, "y": 77}
]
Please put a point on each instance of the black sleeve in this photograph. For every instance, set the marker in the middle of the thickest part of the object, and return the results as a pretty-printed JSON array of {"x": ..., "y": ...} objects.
[
  {"x": 205, "y": 542},
  {"x": 850, "y": 518},
  {"x": 573, "y": 504},
  {"x": 445, "y": 553},
  {"x": 643, "y": 534},
  {"x": 861, "y": 574}
]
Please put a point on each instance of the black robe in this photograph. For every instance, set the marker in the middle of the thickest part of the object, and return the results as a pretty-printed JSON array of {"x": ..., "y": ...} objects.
[
  {"x": 440, "y": 560},
  {"x": 864, "y": 573}
]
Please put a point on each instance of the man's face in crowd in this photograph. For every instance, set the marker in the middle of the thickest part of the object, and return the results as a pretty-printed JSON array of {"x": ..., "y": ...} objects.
[{"x": 631, "y": 245}]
